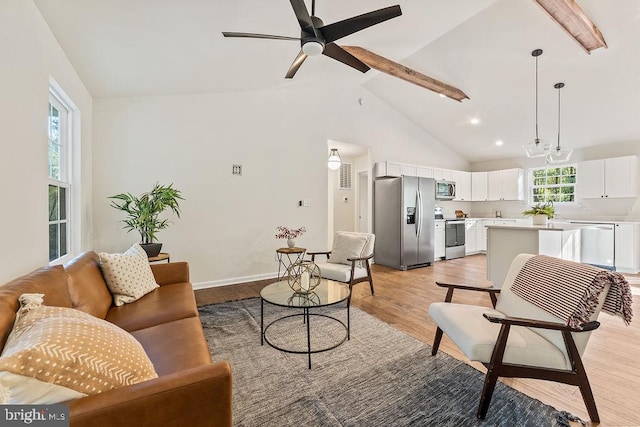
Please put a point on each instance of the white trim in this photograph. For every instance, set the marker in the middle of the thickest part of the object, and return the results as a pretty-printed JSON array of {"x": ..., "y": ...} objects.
[
  {"x": 73, "y": 171},
  {"x": 234, "y": 281}
]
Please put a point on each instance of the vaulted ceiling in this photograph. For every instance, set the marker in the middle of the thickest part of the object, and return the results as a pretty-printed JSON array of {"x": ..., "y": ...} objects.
[{"x": 483, "y": 47}]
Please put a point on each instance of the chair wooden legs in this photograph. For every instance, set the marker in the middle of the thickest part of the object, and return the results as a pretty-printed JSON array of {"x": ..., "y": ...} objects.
[
  {"x": 581, "y": 376},
  {"x": 436, "y": 342},
  {"x": 493, "y": 371}
]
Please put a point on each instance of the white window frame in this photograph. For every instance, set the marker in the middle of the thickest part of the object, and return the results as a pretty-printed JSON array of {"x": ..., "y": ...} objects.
[
  {"x": 532, "y": 187},
  {"x": 69, "y": 172}
]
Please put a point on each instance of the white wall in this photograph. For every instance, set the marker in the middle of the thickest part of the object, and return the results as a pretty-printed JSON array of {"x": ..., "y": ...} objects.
[
  {"x": 29, "y": 56},
  {"x": 280, "y": 137},
  {"x": 343, "y": 210},
  {"x": 596, "y": 209}
]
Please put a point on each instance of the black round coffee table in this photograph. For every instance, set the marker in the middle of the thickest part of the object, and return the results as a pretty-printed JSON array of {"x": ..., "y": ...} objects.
[{"x": 326, "y": 294}]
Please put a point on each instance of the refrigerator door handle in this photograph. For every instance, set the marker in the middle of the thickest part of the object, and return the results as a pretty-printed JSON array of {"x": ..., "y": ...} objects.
[{"x": 419, "y": 214}]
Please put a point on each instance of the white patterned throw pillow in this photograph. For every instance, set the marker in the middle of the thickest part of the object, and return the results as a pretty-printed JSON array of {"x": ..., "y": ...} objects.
[
  {"x": 128, "y": 275},
  {"x": 55, "y": 354}
]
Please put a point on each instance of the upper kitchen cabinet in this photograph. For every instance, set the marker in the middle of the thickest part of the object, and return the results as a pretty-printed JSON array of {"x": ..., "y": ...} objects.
[
  {"x": 505, "y": 184},
  {"x": 479, "y": 186},
  {"x": 386, "y": 168},
  {"x": 443, "y": 174},
  {"x": 607, "y": 178},
  {"x": 424, "y": 171},
  {"x": 463, "y": 185}
]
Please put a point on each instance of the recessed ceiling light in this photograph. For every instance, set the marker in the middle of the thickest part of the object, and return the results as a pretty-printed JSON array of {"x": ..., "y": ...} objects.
[
  {"x": 474, "y": 121},
  {"x": 499, "y": 143},
  {"x": 442, "y": 95}
]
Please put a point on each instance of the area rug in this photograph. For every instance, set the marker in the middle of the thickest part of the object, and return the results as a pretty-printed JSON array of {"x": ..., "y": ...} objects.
[{"x": 380, "y": 377}]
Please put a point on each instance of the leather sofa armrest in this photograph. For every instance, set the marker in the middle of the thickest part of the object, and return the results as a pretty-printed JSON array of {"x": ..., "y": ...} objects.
[
  {"x": 169, "y": 273},
  {"x": 196, "y": 397}
]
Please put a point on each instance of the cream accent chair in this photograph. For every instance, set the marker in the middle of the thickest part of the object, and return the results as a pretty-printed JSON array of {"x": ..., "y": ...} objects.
[
  {"x": 516, "y": 338},
  {"x": 348, "y": 260}
]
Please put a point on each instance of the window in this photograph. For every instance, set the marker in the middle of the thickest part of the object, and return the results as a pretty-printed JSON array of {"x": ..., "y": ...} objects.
[
  {"x": 553, "y": 184},
  {"x": 59, "y": 177}
]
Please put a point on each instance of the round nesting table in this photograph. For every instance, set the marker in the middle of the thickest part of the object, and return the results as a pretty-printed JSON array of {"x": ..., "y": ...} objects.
[{"x": 326, "y": 294}]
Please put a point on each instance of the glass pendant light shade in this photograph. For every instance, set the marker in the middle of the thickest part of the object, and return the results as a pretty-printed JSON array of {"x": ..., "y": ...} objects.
[
  {"x": 559, "y": 154},
  {"x": 538, "y": 147},
  {"x": 334, "y": 160}
]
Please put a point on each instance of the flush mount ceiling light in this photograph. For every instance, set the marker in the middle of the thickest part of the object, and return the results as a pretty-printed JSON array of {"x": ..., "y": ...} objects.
[
  {"x": 536, "y": 148},
  {"x": 575, "y": 22},
  {"x": 559, "y": 154},
  {"x": 334, "y": 160}
]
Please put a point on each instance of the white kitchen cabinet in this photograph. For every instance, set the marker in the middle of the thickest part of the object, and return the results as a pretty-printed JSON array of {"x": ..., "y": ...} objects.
[
  {"x": 470, "y": 236},
  {"x": 387, "y": 168},
  {"x": 505, "y": 184},
  {"x": 443, "y": 174},
  {"x": 463, "y": 185},
  {"x": 607, "y": 178},
  {"x": 627, "y": 247},
  {"x": 481, "y": 234},
  {"x": 408, "y": 170},
  {"x": 479, "y": 186},
  {"x": 439, "y": 240},
  {"x": 424, "y": 171}
]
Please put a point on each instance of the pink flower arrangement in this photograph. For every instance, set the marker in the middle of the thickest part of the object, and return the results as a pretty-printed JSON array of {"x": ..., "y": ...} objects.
[{"x": 289, "y": 233}]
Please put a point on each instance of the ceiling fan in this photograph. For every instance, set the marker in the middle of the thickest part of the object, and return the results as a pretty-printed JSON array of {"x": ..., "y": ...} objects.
[{"x": 317, "y": 38}]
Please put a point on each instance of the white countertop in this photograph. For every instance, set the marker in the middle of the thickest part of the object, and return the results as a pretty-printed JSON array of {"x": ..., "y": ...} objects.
[{"x": 563, "y": 226}]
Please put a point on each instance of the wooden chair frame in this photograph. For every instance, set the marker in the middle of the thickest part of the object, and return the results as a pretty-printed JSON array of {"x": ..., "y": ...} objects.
[
  {"x": 496, "y": 368},
  {"x": 352, "y": 281}
]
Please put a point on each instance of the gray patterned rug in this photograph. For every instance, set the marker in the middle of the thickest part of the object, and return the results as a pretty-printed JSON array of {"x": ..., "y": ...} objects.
[{"x": 381, "y": 377}]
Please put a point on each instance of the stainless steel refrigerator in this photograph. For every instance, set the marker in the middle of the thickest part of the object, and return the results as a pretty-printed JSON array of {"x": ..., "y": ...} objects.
[{"x": 404, "y": 221}]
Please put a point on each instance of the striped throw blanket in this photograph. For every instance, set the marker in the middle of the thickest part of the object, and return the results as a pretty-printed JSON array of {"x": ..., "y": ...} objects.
[{"x": 570, "y": 290}]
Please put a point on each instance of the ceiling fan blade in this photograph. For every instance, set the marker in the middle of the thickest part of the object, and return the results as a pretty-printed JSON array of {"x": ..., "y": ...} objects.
[
  {"x": 337, "y": 30},
  {"x": 296, "y": 65},
  {"x": 334, "y": 51},
  {"x": 258, "y": 36},
  {"x": 304, "y": 19}
]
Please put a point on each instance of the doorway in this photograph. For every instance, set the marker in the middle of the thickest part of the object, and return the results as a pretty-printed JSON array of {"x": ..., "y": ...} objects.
[{"x": 349, "y": 208}]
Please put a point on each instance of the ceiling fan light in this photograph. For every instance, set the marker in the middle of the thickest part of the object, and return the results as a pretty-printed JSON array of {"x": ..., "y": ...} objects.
[
  {"x": 313, "y": 48},
  {"x": 334, "y": 160}
]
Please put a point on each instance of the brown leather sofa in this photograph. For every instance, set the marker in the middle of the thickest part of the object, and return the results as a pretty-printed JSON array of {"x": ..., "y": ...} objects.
[{"x": 190, "y": 390}]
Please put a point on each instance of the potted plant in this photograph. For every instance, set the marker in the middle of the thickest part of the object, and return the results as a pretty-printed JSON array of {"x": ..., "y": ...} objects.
[
  {"x": 143, "y": 213},
  {"x": 540, "y": 213}
]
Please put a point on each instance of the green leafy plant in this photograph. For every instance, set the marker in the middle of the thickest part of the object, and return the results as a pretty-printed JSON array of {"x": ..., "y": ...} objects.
[
  {"x": 143, "y": 211},
  {"x": 541, "y": 209}
]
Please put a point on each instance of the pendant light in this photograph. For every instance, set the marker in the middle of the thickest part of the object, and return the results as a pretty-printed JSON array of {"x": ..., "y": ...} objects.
[
  {"x": 536, "y": 148},
  {"x": 334, "y": 160},
  {"x": 559, "y": 154}
]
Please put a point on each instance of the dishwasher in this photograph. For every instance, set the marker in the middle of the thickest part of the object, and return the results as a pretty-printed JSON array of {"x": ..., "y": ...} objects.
[{"x": 597, "y": 244}]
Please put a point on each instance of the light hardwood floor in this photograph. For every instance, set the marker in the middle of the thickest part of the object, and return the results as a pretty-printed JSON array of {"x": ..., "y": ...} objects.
[{"x": 612, "y": 358}]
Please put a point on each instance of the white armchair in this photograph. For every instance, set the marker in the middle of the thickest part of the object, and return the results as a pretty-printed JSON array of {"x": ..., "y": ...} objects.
[
  {"x": 518, "y": 338},
  {"x": 348, "y": 260}
]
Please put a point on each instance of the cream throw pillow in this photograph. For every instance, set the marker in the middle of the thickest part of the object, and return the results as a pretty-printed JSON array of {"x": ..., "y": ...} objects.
[
  {"x": 128, "y": 275},
  {"x": 55, "y": 354},
  {"x": 347, "y": 246}
]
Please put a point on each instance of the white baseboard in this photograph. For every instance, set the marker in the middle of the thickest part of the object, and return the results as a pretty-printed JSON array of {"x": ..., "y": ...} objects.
[{"x": 234, "y": 281}]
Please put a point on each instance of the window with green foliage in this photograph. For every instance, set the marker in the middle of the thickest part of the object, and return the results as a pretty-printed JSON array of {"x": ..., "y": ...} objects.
[
  {"x": 554, "y": 184},
  {"x": 59, "y": 178}
]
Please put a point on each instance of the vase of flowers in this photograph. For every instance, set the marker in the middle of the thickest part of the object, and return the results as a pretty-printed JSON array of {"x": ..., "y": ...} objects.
[{"x": 290, "y": 234}]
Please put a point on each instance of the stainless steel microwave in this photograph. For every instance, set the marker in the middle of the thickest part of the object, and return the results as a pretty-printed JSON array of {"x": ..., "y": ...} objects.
[{"x": 445, "y": 190}]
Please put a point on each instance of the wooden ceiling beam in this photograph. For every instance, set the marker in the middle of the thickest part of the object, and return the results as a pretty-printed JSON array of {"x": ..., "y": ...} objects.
[
  {"x": 572, "y": 19},
  {"x": 392, "y": 68}
]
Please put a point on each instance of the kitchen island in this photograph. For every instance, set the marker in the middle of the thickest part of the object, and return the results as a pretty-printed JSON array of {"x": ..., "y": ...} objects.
[{"x": 504, "y": 242}]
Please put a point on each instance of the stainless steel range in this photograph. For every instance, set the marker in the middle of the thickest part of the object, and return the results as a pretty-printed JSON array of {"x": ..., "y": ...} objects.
[{"x": 454, "y": 238}]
